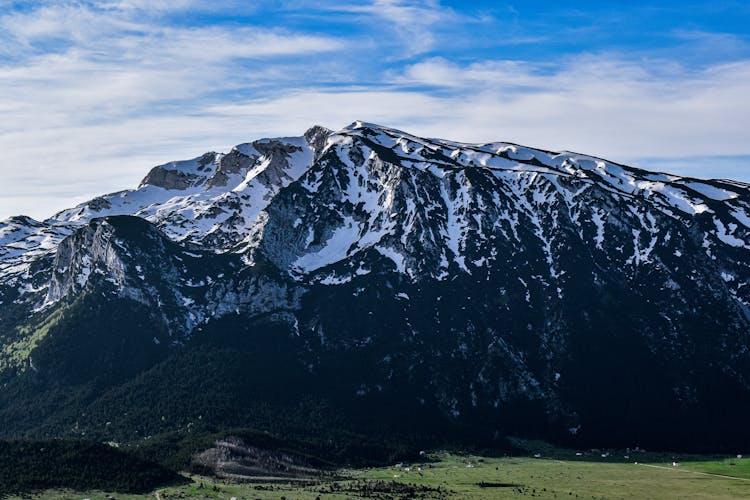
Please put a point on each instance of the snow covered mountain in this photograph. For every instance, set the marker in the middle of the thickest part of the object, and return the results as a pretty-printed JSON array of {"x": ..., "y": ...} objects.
[
  {"x": 391, "y": 189},
  {"x": 498, "y": 283}
]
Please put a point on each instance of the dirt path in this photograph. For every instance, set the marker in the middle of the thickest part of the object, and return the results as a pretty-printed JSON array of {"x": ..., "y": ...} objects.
[{"x": 679, "y": 469}]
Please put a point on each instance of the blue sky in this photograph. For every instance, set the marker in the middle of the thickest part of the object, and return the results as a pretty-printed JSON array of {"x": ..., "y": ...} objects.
[{"x": 93, "y": 93}]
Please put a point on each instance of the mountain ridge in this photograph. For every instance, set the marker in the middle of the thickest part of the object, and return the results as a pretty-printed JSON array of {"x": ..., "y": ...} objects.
[{"x": 489, "y": 285}]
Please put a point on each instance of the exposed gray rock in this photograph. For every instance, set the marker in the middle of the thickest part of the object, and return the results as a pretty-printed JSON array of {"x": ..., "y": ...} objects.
[
  {"x": 317, "y": 137},
  {"x": 232, "y": 163},
  {"x": 168, "y": 176}
]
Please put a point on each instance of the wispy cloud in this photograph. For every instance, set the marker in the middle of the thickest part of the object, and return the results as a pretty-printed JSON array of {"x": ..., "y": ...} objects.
[
  {"x": 94, "y": 93},
  {"x": 604, "y": 107},
  {"x": 150, "y": 5},
  {"x": 416, "y": 24},
  {"x": 411, "y": 21},
  {"x": 75, "y": 77},
  {"x": 599, "y": 104}
]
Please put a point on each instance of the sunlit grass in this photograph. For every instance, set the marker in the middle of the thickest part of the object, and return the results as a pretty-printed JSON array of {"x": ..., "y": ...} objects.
[{"x": 445, "y": 475}]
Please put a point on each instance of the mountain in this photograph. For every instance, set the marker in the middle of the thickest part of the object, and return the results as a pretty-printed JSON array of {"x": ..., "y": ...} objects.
[{"x": 369, "y": 279}]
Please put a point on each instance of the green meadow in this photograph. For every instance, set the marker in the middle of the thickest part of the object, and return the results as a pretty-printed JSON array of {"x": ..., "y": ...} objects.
[{"x": 457, "y": 476}]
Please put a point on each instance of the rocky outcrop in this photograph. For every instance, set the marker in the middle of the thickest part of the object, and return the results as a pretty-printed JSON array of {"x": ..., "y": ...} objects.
[{"x": 170, "y": 176}]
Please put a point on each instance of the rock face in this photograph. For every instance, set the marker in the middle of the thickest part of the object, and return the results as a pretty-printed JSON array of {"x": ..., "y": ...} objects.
[
  {"x": 91, "y": 248},
  {"x": 176, "y": 175},
  {"x": 231, "y": 457},
  {"x": 492, "y": 285}
]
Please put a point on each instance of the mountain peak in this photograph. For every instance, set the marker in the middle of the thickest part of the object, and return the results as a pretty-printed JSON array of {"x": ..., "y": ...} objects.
[
  {"x": 479, "y": 278},
  {"x": 178, "y": 175},
  {"x": 363, "y": 125},
  {"x": 395, "y": 186},
  {"x": 317, "y": 137}
]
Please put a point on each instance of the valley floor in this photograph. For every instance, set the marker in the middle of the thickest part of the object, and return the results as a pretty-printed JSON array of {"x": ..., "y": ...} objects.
[{"x": 451, "y": 476}]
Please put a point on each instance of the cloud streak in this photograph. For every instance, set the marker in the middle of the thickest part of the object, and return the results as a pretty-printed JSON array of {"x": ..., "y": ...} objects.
[{"x": 93, "y": 94}]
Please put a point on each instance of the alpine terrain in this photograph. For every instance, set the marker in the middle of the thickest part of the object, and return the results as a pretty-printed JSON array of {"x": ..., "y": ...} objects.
[{"x": 372, "y": 282}]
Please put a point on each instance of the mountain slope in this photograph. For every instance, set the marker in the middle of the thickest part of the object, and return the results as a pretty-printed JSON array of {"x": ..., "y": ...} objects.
[{"x": 485, "y": 288}]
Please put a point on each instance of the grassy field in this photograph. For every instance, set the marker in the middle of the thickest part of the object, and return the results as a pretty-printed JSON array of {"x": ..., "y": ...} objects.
[{"x": 450, "y": 476}]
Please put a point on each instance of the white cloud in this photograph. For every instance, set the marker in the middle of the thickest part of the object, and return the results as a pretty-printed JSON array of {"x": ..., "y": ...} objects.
[
  {"x": 85, "y": 92},
  {"x": 612, "y": 111},
  {"x": 600, "y": 105},
  {"x": 150, "y": 5},
  {"x": 69, "y": 22},
  {"x": 414, "y": 23},
  {"x": 107, "y": 37},
  {"x": 116, "y": 94}
]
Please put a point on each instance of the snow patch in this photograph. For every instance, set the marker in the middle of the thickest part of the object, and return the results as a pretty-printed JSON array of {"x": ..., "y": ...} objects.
[
  {"x": 334, "y": 249},
  {"x": 724, "y": 234},
  {"x": 396, "y": 257}
]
